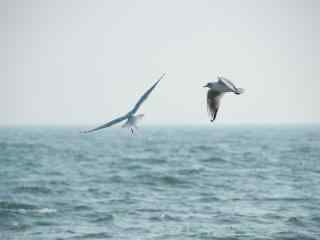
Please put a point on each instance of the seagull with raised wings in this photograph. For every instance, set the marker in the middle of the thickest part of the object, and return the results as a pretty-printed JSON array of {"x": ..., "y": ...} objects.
[
  {"x": 131, "y": 118},
  {"x": 216, "y": 90}
]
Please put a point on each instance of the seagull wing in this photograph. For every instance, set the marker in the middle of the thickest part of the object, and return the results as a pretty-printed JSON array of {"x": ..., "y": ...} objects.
[
  {"x": 228, "y": 84},
  {"x": 108, "y": 124},
  {"x": 213, "y": 102},
  {"x": 145, "y": 96}
]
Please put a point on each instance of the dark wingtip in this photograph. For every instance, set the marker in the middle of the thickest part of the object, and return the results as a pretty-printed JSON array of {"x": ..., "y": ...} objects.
[
  {"x": 162, "y": 76},
  {"x": 159, "y": 79}
]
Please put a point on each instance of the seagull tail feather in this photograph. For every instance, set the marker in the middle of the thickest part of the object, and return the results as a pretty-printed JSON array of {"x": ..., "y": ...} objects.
[{"x": 239, "y": 91}]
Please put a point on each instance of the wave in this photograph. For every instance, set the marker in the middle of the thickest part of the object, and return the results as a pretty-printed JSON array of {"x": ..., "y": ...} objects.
[
  {"x": 116, "y": 179},
  {"x": 101, "y": 235},
  {"x": 104, "y": 219},
  {"x": 32, "y": 189},
  {"x": 25, "y": 146},
  {"x": 200, "y": 148},
  {"x": 316, "y": 219},
  {"x": 16, "y": 206},
  {"x": 191, "y": 171},
  {"x": 170, "y": 180},
  {"x": 208, "y": 199},
  {"x": 45, "y": 210},
  {"x": 213, "y": 160},
  {"x": 295, "y": 221},
  {"x": 82, "y": 208},
  {"x": 24, "y": 208},
  {"x": 16, "y": 226},
  {"x": 284, "y": 199},
  {"x": 293, "y": 235},
  {"x": 166, "y": 217},
  {"x": 43, "y": 223},
  {"x": 155, "y": 179},
  {"x": 148, "y": 160}
]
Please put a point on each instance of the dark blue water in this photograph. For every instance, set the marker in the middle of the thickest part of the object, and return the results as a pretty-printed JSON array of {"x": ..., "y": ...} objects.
[{"x": 164, "y": 183}]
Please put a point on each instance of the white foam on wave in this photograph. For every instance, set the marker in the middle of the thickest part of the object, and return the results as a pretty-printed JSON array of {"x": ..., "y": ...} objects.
[
  {"x": 39, "y": 211},
  {"x": 45, "y": 210}
]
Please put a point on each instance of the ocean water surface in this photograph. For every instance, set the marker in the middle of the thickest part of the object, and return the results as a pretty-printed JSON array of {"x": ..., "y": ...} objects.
[{"x": 232, "y": 182}]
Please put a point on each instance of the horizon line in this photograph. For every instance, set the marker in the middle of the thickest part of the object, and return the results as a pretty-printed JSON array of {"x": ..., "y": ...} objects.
[{"x": 168, "y": 124}]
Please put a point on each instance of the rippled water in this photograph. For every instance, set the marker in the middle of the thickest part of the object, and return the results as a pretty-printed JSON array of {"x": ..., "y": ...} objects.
[{"x": 164, "y": 183}]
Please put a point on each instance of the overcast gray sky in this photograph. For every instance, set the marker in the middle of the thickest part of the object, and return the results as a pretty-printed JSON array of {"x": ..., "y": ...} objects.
[{"x": 85, "y": 62}]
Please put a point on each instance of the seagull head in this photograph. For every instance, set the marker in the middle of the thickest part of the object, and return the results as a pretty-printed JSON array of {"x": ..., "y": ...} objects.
[{"x": 208, "y": 85}]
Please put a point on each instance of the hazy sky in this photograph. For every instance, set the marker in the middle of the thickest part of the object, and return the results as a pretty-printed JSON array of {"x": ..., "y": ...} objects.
[{"x": 85, "y": 62}]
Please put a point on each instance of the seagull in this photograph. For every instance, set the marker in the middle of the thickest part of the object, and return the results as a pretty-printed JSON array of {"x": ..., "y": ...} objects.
[
  {"x": 216, "y": 90},
  {"x": 131, "y": 118}
]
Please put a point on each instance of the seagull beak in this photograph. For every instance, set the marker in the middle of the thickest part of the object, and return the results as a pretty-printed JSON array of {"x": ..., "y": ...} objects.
[{"x": 205, "y": 86}]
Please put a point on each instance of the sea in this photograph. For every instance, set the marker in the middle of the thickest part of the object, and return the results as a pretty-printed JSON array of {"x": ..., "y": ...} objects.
[{"x": 164, "y": 182}]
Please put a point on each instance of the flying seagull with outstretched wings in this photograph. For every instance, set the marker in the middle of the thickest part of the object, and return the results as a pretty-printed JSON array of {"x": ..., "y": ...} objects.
[{"x": 131, "y": 118}]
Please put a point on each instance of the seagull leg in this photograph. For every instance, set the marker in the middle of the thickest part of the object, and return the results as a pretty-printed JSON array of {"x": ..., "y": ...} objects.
[
  {"x": 215, "y": 115},
  {"x": 131, "y": 130}
]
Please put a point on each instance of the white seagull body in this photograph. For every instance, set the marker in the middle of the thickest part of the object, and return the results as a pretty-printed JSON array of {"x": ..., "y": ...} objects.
[
  {"x": 131, "y": 118},
  {"x": 216, "y": 90}
]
